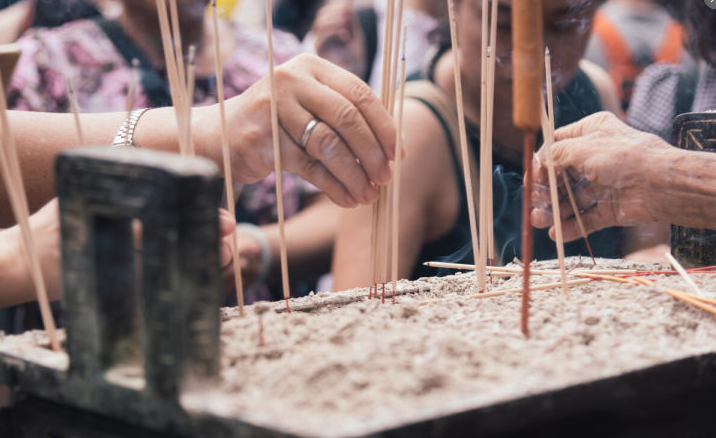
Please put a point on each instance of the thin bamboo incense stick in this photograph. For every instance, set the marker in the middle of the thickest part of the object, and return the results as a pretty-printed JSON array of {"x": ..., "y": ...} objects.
[
  {"x": 228, "y": 180},
  {"x": 517, "y": 270},
  {"x": 396, "y": 56},
  {"x": 490, "y": 121},
  {"x": 578, "y": 216},
  {"x": 694, "y": 297},
  {"x": 277, "y": 155},
  {"x": 548, "y": 133},
  {"x": 509, "y": 291},
  {"x": 684, "y": 274},
  {"x": 398, "y": 167},
  {"x": 480, "y": 272},
  {"x": 12, "y": 178},
  {"x": 693, "y": 301},
  {"x": 482, "y": 228},
  {"x": 178, "y": 47},
  {"x": 172, "y": 74},
  {"x": 72, "y": 96},
  {"x": 189, "y": 100}
]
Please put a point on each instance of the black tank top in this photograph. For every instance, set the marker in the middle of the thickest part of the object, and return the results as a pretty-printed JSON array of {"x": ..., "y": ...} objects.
[{"x": 579, "y": 99}]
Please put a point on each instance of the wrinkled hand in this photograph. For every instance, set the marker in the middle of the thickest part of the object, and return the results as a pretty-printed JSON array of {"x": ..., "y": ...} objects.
[
  {"x": 339, "y": 37},
  {"x": 607, "y": 166},
  {"x": 346, "y": 151}
]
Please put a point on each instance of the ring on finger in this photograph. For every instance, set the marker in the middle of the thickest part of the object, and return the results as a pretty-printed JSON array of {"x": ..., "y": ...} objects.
[
  {"x": 589, "y": 207},
  {"x": 310, "y": 126}
]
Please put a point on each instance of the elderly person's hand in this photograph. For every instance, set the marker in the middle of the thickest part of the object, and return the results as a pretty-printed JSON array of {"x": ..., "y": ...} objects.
[
  {"x": 609, "y": 166},
  {"x": 342, "y": 154}
]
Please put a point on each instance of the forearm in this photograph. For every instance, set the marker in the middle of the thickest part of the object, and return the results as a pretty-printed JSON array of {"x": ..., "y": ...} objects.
[
  {"x": 682, "y": 188},
  {"x": 14, "y": 288},
  {"x": 309, "y": 239}
]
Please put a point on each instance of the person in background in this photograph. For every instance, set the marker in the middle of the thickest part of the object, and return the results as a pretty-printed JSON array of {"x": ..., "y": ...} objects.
[
  {"x": 434, "y": 219},
  {"x": 353, "y": 38},
  {"x": 96, "y": 55},
  {"x": 630, "y": 35},
  {"x": 360, "y": 119}
]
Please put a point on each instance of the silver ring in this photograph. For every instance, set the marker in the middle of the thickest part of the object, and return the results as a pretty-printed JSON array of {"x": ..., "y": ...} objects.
[
  {"x": 307, "y": 132},
  {"x": 589, "y": 207}
]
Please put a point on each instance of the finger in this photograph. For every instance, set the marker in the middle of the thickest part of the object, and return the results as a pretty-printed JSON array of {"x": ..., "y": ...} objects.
[
  {"x": 326, "y": 146},
  {"x": 226, "y": 222},
  {"x": 585, "y": 126},
  {"x": 362, "y": 98},
  {"x": 348, "y": 122},
  {"x": 296, "y": 160},
  {"x": 225, "y": 254},
  {"x": 592, "y": 221}
]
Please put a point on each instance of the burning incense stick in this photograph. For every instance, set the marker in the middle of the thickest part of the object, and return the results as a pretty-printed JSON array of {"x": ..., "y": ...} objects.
[
  {"x": 398, "y": 167},
  {"x": 72, "y": 96},
  {"x": 683, "y": 274},
  {"x": 527, "y": 61},
  {"x": 480, "y": 272},
  {"x": 12, "y": 178},
  {"x": 548, "y": 133},
  {"x": 277, "y": 155},
  {"x": 578, "y": 215},
  {"x": 226, "y": 156}
]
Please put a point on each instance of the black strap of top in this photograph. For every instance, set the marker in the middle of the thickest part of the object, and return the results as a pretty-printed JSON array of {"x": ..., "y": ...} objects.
[
  {"x": 369, "y": 23},
  {"x": 154, "y": 85}
]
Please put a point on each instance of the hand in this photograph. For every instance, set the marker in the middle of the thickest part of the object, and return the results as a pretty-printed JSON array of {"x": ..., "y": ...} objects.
[
  {"x": 17, "y": 286},
  {"x": 348, "y": 149},
  {"x": 226, "y": 226},
  {"x": 339, "y": 37},
  {"x": 609, "y": 162},
  {"x": 251, "y": 263}
]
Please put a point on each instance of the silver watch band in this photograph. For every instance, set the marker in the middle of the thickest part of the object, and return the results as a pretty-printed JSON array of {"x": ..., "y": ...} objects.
[{"x": 125, "y": 135}]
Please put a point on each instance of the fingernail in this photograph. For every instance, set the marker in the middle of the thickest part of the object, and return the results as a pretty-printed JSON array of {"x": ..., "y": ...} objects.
[{"x": 370, "y": 194}]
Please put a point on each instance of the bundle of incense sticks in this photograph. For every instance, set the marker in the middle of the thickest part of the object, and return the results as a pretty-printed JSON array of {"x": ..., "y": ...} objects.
[
  {"x": 12, "y": 178},
  {"x": 383, "y": 208}
]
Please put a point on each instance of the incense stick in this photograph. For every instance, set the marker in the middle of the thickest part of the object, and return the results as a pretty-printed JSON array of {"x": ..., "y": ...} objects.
[
  {"x": 277, "y": 155},
  {"x": 398, "y": 167},
  {"x": 509, "y": 291},
  {"x": 226, "y": 156},
  {"x": 396, "y": 56},
  {"x": 189, "y": 100},
  {"x": 490, "y": 122},
  {"x": 178, "y": 47},
  {"x": 482, "y": 228},
  {"x": 517, "y": 270},
  {"x": 72, "y": 96},
  {"x": 548, "y": 133},
  {"x": 480, "y": 272},
  {"x": 695, "y": 301},
  {"x": 176, "y": 87},
  {"x": 12, "y": 178},
  {"x": 578, "y": 216},
  {"x": 684, "y": 274}
]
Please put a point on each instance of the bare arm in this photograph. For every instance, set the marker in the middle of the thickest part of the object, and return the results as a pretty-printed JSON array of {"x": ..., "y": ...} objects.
[
  {"x": 428, "y": 204},
  {"x": 354, "y": 125}
]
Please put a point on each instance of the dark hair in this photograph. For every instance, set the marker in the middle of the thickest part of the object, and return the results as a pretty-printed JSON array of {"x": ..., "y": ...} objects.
[{"x": 700, "y": 22}]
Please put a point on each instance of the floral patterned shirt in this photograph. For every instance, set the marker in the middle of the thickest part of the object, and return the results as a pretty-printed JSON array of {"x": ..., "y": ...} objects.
[{"x": 83, "y": 52}]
